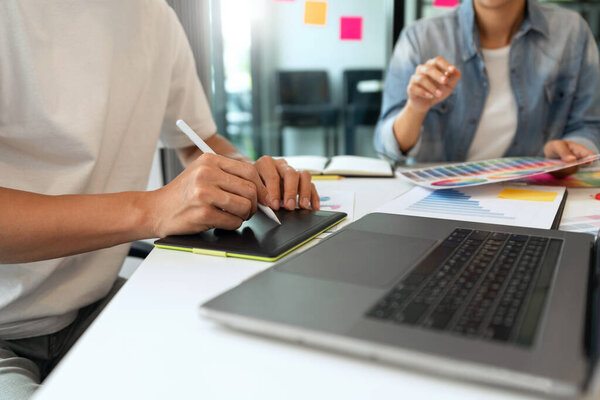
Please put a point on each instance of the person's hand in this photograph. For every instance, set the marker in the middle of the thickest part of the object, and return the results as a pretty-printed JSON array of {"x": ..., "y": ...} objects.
[
  {"x": 284, "y": 183},
  {"x": 432, "y": 83},
  {"x": 567, "y": 151},
  {"x": 213, "y": 192}
]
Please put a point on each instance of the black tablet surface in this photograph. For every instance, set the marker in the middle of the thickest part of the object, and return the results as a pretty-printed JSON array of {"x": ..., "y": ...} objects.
[{"x": 259, "y": 238}]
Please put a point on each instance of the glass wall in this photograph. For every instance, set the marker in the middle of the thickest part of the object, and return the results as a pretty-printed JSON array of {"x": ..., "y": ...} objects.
[{"x": 300, "y": 76}]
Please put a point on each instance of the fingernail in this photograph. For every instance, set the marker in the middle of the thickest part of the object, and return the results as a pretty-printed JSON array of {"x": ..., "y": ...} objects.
[
  {"x": 429, "y": 95},
  {"x": 443, "y": 79},
  {"x": 268, "y": 199},
  {"x": 291, "y": 204},
  {"x": 304, "y": 202},
  {"x": 438, "y": 93},
  {"x": 275, "y": 204},
  {"x": 450, "y": 68}
]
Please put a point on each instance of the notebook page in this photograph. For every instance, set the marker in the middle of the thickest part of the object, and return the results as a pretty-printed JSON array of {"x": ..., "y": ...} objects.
[
  {"x": 312, "y": 164},
  {"x": 355, "y": 165}
]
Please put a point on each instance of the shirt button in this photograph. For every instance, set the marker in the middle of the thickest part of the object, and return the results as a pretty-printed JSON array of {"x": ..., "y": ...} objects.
[
  {"x": 513, "y": 70},
  {"x": 473, "y": 121},
  {"x": 521, "y": 108}
]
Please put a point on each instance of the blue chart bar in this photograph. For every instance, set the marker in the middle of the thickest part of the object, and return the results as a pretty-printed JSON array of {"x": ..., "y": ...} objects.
[{"x": 451, "y": 201}]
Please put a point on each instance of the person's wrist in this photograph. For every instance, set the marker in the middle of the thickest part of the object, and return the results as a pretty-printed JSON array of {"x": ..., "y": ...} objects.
[
  {"x": 146, "y": 211},
  {"x": 416, "y": 110}
]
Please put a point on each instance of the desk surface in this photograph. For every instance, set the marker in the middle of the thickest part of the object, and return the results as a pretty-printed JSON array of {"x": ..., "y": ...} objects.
[{"x": 149, "y": 342}]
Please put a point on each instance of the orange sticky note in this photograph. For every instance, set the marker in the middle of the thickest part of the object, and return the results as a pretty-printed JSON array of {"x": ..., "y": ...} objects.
[
  {"x": 315, "y": 12},
  {"x": 527, "y": 195}
]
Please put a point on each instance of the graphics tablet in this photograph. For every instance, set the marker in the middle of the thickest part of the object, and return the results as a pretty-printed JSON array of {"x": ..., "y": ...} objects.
[{"x": 259, "y": 238}]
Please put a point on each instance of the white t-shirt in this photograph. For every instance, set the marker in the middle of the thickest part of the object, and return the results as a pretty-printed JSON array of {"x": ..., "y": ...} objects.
[
  {"x": 498, "y": 124},
  {"x": 86, "y": 89}
]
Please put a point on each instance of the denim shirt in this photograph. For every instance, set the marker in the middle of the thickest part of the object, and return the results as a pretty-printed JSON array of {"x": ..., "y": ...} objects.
[{"x": 554, "y": 74}]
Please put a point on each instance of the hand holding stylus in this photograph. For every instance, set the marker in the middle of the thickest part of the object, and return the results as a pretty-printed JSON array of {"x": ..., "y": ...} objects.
[{"x": 207, "y": 150}]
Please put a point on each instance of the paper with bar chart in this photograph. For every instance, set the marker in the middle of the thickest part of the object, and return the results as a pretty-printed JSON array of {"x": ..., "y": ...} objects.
[
  {"x": 582, "y": 212},
  {"x": 487, "y": 171},
  {"x": 504, "y": 204}
]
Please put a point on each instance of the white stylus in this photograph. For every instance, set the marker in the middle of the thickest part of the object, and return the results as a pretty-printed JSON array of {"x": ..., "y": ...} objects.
[{"x": 185, "y": 128}]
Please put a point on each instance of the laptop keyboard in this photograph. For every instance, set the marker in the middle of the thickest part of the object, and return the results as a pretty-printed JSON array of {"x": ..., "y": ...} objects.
[{"x": 491, "y": 285}]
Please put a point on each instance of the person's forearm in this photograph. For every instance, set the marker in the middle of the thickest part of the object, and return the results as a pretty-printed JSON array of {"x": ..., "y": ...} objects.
[
  {"x": 39, "y": 227},
  {"x": 224, "y": 147},
  {"x": 407, "y": 127},
  {"x": 218, "y": 144}
]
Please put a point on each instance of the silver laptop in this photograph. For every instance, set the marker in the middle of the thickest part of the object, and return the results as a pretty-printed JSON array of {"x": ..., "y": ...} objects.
[{"x": 489, "y": 303}]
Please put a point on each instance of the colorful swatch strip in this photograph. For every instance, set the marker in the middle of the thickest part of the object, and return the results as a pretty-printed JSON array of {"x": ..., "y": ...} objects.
[
  {"x": 487, "y": 171},
  {"x": 582, "y": 179}
]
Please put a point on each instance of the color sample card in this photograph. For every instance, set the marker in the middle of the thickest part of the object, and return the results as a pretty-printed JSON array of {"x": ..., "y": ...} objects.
[
  {"x": 315, "y": 12},
  {"x": 351, "y": 28},
  {"x": 585, "y": 178},
  {"x": 445, "y": 3},
  {"x": 527, "y": 195},
  {"x": 486, "y": 171}
]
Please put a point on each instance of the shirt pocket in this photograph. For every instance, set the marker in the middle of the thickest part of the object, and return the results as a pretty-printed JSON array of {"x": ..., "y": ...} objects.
[{"x": 560, "y": 89}]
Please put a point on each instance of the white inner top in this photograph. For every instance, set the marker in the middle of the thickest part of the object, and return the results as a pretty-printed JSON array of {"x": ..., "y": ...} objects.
[{"x": 498, "y": 123}]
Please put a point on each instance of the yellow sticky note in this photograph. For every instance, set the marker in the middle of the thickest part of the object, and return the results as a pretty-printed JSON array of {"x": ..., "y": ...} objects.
[
  {"x": 528, "y": 195},
  {"x": 315, "y": 12}
]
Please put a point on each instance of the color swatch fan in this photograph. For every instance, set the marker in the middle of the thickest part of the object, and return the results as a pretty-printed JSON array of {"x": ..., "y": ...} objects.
[{"x": 486, "y": 171}]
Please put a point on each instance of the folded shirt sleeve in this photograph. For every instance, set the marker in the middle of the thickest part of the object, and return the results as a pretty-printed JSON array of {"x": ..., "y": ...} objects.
[
  {"x": 583, "y": 123},
  {"x": 403, "y": 64}
]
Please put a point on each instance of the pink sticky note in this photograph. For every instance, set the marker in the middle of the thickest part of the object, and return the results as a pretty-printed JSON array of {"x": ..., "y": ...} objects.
[
  {"x": 445, "y": 3},
  {"x": 351, "y": 28}
]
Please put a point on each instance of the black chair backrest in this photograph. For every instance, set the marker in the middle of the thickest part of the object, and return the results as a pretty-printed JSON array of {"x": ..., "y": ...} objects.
[
  {"x": 352, "y": 92},
  {"x": 302, "y": 87}
]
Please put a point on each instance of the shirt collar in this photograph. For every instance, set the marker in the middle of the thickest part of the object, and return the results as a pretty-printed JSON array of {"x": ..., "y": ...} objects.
[{"x": 534, "y": 20}]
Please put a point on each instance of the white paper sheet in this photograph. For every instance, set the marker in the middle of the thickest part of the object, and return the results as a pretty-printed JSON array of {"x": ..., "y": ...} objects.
[
  {"x": 479, "y": 204},
  {"x": 341, "y": 201},
  {"x": 582, "y": 212}
]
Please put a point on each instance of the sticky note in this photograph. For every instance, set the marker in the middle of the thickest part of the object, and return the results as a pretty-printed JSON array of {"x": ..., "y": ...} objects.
[
  {"x": 445, "y": 3},
  {"x": 315, "y": 12},
  {"x": 528, "y": 195},
  {"x": 351, "y": 28}
]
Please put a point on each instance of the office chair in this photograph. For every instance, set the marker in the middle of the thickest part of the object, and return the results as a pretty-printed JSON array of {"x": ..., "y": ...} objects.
[
  {"x": 303, "y": 100},
  {"x": 362, "y": 101}
]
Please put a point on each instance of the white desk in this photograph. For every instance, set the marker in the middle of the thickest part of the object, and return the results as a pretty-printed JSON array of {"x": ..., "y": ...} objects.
[{"x": 149, "y": 343}]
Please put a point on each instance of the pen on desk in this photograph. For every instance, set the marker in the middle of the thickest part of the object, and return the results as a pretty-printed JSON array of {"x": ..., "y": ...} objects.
[
  {"x": 326, "y": 177},
  {"x": 185, "y": 128}
]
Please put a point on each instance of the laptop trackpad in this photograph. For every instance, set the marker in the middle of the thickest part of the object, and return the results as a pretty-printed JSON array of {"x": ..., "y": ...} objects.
[{"x": 364, "y": 258}]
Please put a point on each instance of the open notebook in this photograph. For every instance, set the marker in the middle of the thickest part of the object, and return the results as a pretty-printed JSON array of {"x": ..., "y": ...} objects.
[{"x": 341, "y": 165}]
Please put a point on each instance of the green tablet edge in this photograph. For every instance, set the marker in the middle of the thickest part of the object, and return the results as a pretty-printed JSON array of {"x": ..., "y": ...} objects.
[{"x": 246, "y": 256}]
